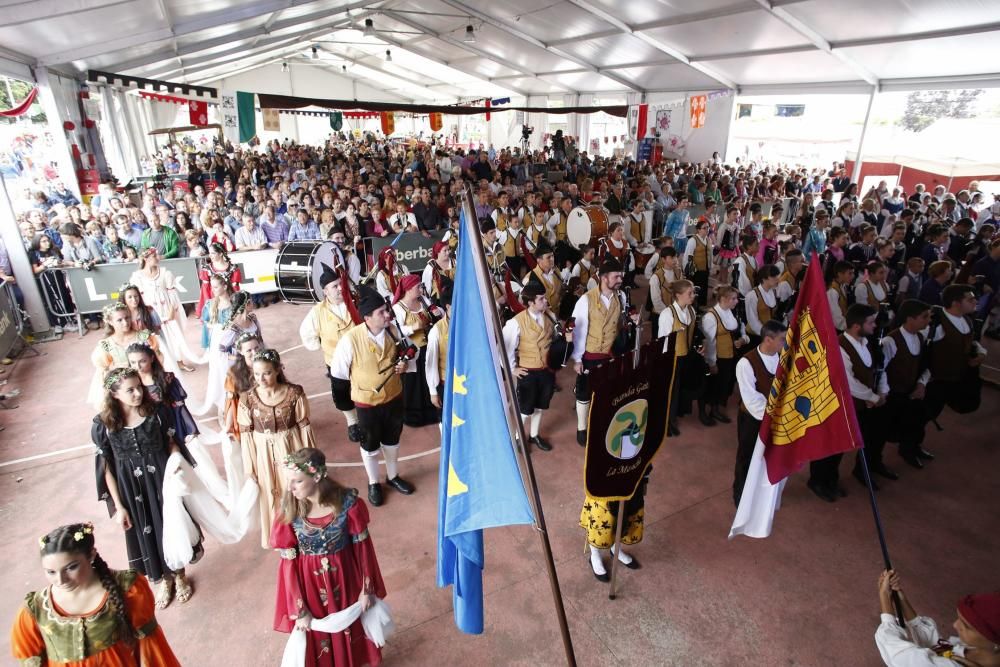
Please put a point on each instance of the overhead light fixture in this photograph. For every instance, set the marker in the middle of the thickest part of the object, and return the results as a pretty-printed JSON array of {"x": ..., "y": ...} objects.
[
  {"x": 388, "y": 56},
  {"x": 369, "y": 28},
  {"x": 284, "y": 67},
  {"x": 470, "y": 35},
  {"x": 315, "y": 53},
  {"x": 344, "y": 68}
]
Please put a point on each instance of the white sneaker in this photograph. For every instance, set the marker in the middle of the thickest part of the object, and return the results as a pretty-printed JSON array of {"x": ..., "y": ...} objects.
[
  {"x": 57, "y": 330},
  {"x": 71, "y": 327}
]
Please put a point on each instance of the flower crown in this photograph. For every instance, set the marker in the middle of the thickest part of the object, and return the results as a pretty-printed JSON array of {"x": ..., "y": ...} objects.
[
  {"x": 127, "y": 286},
  {"x": 112, "y": 308},
  {"x": 80, "y": 530},
  {"x": 117, "y": 375},
  {"x": 308, "y": 467},
  {"x": 268, "y": 355},
  {"x": 244, "y": 337}
]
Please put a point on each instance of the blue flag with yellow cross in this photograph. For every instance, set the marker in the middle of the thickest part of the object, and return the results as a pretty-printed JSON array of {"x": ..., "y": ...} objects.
[{"x": 479, "y": 485}]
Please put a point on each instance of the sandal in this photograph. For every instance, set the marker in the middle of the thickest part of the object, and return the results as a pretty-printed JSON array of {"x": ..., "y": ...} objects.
[
  {"x": 163, "y": 593},
  {"x": 184, "y": 590}
]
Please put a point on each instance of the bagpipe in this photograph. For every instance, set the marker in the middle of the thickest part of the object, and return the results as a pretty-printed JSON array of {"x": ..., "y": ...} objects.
[
  {"x": 559, "y": 350},
  {"x": 405, "y": 349},
  {"x": 740, "y": 310},
  {"x": 628, "y": 329}
]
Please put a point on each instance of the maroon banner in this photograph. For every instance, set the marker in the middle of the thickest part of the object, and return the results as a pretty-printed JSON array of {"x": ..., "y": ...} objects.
[
  {"x": 628, "y": 421},
  {"x": 23, "y": 107}
]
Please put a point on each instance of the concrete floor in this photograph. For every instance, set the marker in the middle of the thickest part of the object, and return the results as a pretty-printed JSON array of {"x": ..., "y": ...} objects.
[{"x": 805, "y": 596}]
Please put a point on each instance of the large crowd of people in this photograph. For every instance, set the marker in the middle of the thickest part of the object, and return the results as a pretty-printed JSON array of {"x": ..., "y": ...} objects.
[{"x": 719, "y": 249}]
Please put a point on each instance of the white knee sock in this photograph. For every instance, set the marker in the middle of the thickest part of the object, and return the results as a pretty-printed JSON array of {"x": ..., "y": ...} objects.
[
  {"x": 536, "y": 422},
  {"x": 622, "y": 556},
  {"x": 596, "y": 561},
  {"x": 582, "y": 410},
  {"x": 351, "y": 416},
  {"x": 370, "y": 459},
  {"x": 391, "y": 454}
]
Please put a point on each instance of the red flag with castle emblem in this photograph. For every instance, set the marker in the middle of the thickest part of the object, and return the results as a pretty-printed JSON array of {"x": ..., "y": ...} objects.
[
  {"x": 198, "y": 113},
  {"x": 810, "y": 413}
]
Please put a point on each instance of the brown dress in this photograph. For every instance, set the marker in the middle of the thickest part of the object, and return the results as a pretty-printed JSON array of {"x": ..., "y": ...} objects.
[{"x": 268, "y": 433}]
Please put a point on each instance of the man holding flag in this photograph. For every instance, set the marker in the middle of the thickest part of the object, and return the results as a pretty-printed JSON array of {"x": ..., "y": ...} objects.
[
  {"x": 479, "y": 482},
  {"x": 809, "y": 414}
]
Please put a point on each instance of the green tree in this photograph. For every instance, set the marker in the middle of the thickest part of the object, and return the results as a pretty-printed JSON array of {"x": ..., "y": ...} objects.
[
  {"x": 20, "y": 90},
  {"x": 926, "y": 106}
]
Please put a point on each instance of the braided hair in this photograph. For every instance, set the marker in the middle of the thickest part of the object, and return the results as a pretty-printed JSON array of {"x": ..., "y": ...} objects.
[{"x": 78, "y": 539}]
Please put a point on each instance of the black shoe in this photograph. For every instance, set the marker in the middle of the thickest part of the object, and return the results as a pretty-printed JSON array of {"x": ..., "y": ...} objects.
[
  {"x": 375, "y": 494},
  {"x": 718, "y": 416},
  {"x": 672, "y": 430},
  {"x": 914, "y": 461},
  {"x": 604, "y": 578},
  {"x": 581, "y": 438},
  {"x": 820, "y": 491},
  {"x": 541, "y": 443},
  {"x": 705, "y": 418},
  {"x": 882, "y": 471},
  {"x": 859, "y": 475},
  {"x": 633, "y": 564},
  {"x": 839, "y": 490},
  {"x": 354, "y": 432},
  {"x": 401, "y": 485},
  {"x": 924, "y": 454}
]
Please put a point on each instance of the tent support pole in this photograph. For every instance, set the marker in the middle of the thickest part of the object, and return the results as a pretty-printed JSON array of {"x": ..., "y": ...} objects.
[{"x": 859, "y": 156}]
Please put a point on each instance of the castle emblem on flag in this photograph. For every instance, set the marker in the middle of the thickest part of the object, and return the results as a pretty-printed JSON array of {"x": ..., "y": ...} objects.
[{"x": 802, "y": 395}]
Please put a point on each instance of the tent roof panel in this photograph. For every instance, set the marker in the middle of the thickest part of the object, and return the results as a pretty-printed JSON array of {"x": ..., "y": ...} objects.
[
  {"x": 738, "y": 33},
  {"x": 936, "y": 57},
  {"x": 614, "y": 50},
  {"x": 668, "y": 77}
]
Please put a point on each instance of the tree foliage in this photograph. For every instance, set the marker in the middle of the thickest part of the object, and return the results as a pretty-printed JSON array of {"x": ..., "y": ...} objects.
[
  {"x": 926, "y": 106},
  {"x": 20, "y": 90}
]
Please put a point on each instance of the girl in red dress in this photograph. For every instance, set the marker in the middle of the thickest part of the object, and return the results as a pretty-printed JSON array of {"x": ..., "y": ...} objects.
[
  {"x": 327, "y": 562},
  {"x": 218, "y": 263}
]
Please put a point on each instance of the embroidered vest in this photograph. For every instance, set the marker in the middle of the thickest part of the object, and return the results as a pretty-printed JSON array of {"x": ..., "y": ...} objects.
[
  {"x": 635, "y": 226},
  {"x": 872, "y": 300},
  {"x": 904, "y": 369},
  {"x": 841, "y": 297},
  {"x": 561, "y": 226},
  {"x": 684, "y": 339},
  {"x": 553, "y": 290},
  {"x": 535, "y": 341},
  {"x": 418, "y": 320},
  {"x": 368, "y": 361},
  {"x": 512, "y": 242},
  {"x": 789, "y": 280},
  {"x": 602, "y": 327},
  {"x": 864, "y": 374},
  {"x": 700, "y": 254},
  {"x": 764, "y": 311},
  {"x": 331, "y": 329},
  {"x": 949, "y": 356},
  {"x": 763, "y": 378},
  {"x": 724, "y": 348}
]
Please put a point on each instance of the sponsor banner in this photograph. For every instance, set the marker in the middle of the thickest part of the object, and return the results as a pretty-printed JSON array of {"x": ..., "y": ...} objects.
[
  {"x": 413, "y": 250},
  {"x": 628, "y": 421},
  {"x": 8, "y": 322},
  {"x": 94, "y": 289}
]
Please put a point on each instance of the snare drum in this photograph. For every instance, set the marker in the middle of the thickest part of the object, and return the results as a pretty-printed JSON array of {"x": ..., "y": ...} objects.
[
  {"x": 298, "y": 268},
  {"x": 586, "y": 224}
]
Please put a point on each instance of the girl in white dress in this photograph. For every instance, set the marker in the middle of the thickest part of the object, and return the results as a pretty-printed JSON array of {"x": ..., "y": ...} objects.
[{"x": 159, "y": 290}]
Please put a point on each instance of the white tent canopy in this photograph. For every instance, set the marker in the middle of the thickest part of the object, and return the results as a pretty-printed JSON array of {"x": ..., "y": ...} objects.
[{"x": 523, "y": 47}]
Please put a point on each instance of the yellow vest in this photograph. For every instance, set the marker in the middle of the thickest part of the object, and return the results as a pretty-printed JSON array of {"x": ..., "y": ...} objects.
[
  {"x": 413, "y": 319},
  {"x": 665, "y": 294},
  {"x": 789, "y": 279},
  {"x": 841, "y": 297},
  {"x": 723, "y": 338},
  {"x": 764, "y": 311},
  {"x": 535, "y": 232},
  {"x": 535, "y": 341},
  {"x": 494, "y": 256},
  {"x": 700, "y": 254},
  {"x": 331, "y": 329},
  {"x": 553, "y": 292},
  {"x": 683, "y": 339},
  {"x": 748, "y": 270},
  {"x": 584, "y": 274},
  {"x": 368, "y": 360},
  {"x": 502, "y": 220},
  {"x": 442, "y": 329},
  {"x": 512, "y": 246},
  {"x": 602, "y": 323},
  {"x": 561, "y": 226}
]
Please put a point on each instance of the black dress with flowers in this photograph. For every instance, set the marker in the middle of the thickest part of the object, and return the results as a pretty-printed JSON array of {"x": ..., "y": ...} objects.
[{"x": 138, "y": 456}]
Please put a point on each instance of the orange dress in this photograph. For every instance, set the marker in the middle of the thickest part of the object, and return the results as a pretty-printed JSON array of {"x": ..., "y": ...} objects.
[{"x": 43, "y": 634}]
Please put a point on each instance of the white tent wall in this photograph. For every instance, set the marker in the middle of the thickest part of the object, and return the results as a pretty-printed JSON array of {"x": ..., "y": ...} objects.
[
  {"x": 61, "y": 104},
  {"x": 698, "y": 144},
  {"x": 302, "y": 81}
]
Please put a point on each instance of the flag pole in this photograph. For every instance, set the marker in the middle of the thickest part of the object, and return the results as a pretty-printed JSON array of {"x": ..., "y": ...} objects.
[{"x": 471, "y": 234}]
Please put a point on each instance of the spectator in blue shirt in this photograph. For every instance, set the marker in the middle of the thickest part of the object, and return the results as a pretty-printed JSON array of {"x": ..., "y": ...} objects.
[
  {"x": 234, "y": 221},
  {"x": 275, "y": 229},
  {"x": 60, "y": 193},
  {"x": 816, "y": 236},
  {"x": 677, "y": 222},
  {"x": 304, "y": 228}
]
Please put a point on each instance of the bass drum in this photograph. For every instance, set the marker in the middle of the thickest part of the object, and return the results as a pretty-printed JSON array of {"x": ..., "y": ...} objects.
[
  {"x": 642, "y": 255},
  {"x": 586, "y": 224},
  {"x": 298, "y": 268}
]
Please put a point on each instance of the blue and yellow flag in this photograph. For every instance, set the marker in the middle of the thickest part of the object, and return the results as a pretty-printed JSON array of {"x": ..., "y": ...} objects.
[{"x": 479, "y": 483}]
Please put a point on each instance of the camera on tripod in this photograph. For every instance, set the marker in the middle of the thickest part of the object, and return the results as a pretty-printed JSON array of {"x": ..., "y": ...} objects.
[{"x": 526, "y": 131}]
